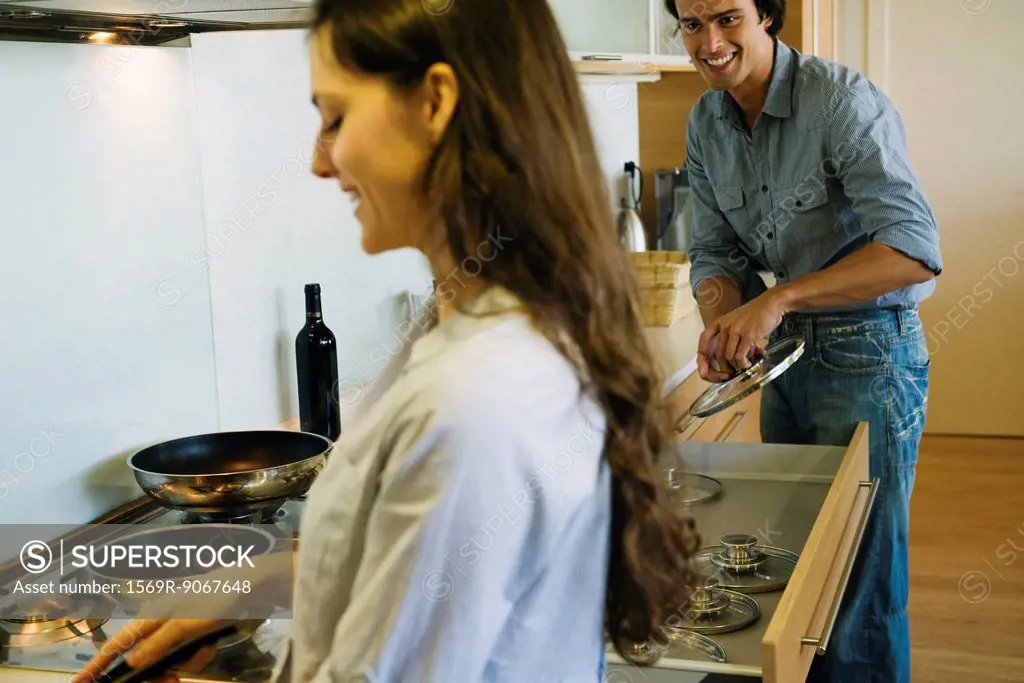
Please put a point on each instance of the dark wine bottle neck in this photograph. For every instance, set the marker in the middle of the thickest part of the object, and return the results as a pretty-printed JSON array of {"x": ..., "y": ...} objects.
[{"x": 313, "y": 310}]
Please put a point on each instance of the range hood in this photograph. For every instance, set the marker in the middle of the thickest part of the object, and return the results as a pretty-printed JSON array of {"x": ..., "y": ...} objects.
[{"x": 143, "y": 22}]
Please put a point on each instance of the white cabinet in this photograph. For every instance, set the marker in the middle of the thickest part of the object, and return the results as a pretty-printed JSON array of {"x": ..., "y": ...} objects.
[
  {"x": 668, "y": 40},
  {"x": 620, "y": 35},
  {"x": 598, "y": 27}
]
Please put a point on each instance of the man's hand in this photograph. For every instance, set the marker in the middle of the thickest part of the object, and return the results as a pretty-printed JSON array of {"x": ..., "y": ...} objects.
[{"x": 734, "y": 339}]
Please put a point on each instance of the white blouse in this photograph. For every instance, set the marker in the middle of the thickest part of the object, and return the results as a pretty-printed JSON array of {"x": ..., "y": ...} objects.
[{"x": 459, "y": 531}]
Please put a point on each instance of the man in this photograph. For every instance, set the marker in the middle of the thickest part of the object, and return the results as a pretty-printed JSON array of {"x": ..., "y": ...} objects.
[{"x": 798, "y": 166}]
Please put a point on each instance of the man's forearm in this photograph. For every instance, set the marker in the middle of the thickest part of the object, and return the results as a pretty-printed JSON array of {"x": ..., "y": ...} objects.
[
  {"x": 868, "y": 273},
  {"x": 717, "y": 296}
]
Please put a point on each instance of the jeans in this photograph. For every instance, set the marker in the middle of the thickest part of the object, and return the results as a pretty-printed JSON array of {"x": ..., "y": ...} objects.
[{"x": 861, "y": 366}]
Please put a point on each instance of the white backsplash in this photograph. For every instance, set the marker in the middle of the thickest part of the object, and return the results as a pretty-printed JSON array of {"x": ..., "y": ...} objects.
[
  {"x": 159, "y": 223},
  {"x": 99, "y": 197}
]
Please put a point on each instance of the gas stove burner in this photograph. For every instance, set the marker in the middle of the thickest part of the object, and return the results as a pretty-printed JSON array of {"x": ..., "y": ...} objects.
[
  {"x": 739, "y": 554},
  {"x": 48, "y": 620},
  {"x": 38, "y": 610},
  {"x": 266, "y": 516},
  {"x": 214, "y": 518}
]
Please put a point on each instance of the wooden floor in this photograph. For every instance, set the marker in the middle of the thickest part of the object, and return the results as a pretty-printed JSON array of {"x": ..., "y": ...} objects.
[{"x": 967, "y": 561}]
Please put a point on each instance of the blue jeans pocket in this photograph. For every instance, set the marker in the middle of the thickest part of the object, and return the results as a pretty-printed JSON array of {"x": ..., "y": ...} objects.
[{"x": 863, "y": 354}]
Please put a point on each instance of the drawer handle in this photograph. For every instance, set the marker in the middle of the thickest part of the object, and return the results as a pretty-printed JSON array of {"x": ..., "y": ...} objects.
[
  {"x": 602, "y": 58},
  {"x": 685, "y": 423},
  {"x": 821, "y": 643},
  {"x": 734, "y": 423}
]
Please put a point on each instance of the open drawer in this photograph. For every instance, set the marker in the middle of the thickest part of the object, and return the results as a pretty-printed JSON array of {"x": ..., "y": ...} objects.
[
  {"x": 805, "y": 617},
  {"x": 810, "y": 503}
]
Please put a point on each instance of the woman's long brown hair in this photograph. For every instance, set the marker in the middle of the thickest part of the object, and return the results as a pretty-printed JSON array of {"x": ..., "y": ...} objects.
[{"x": 518, "y": 167}]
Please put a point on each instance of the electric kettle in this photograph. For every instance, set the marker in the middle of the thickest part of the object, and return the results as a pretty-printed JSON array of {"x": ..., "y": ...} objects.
[{"x": 632, "y": 234}]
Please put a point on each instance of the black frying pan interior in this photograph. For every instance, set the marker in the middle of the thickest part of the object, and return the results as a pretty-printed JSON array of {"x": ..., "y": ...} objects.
[{"x": 228, "y": 452}]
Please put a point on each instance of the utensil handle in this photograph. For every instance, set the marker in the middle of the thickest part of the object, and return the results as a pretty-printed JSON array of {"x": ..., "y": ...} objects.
[
  {"x": 821, "y": 642},
  {"x": 120, "y": 672}
]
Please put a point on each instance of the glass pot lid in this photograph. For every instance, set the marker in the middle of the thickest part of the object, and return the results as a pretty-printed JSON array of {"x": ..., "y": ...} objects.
[
  {"x": 778, "y": 358},
  {"x": 689, "y": 488},
  {"x": 682, "y": 645},
  {"x": 740, "y": 564},
  {"x": 713, "y": 609}
]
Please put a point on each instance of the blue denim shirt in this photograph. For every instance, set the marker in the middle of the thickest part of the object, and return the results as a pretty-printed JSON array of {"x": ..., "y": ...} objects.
[{"x": 824, "y": 171}]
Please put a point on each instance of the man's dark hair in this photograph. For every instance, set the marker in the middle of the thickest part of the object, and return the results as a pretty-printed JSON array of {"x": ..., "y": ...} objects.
[{"x": 776, "y": 9}]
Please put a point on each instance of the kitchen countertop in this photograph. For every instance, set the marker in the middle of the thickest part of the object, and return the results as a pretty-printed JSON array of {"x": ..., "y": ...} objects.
[{"x": 675, "y": 349}]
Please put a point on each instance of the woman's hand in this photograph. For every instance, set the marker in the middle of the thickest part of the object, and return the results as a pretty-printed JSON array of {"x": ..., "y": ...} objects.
[
  {"x": 171, "y": 618},
  {"x": 146, "y": 640}
]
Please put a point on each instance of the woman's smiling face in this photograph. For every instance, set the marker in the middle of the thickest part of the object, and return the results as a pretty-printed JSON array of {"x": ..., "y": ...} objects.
[{"x": 375, "y": 143}]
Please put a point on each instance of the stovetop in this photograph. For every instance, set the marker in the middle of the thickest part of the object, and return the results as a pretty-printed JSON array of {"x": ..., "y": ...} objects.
[
  {"x": 287, "y": 517},
  {"x": 249, "y": 657},
  {"x": 61, "y": 642}
]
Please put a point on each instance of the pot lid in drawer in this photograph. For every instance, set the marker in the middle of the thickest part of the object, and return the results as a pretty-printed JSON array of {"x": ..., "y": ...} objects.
[{"x": 682, "y": 645}]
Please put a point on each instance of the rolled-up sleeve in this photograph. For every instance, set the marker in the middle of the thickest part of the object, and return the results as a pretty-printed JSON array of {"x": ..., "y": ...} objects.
[
  {"x": 867, "y": 145},
  {"x": 714, "y": 248}
]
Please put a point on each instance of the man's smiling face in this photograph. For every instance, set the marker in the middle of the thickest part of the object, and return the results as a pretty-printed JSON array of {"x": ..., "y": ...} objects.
[{"x": 725, "y": 39}]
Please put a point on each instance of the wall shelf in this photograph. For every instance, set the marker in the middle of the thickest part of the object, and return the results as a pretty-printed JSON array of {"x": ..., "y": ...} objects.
[{"x": 616, "y": 68}]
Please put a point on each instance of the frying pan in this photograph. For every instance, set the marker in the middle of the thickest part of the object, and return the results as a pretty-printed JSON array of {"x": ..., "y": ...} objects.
[{"x": 231, "y": 474}]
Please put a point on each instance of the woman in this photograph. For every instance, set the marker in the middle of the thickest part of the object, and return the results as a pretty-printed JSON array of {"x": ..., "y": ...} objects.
[{"x": 496, "y": 510}]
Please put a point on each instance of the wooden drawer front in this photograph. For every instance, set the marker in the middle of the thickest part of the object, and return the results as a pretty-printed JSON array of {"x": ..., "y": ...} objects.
[
  {"x": 736, "y": 424},
  {"x": 803, "y": 621},
  {"x": 714, "y": 427},
  {"x": 682, "y": 398},
  {"x": 745, "y": 425},
  {"x": 750, "y": 430}
]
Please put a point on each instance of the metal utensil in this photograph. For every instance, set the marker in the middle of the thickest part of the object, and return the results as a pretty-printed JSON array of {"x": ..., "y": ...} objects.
[
  {"x": 232, "y": 474},
  {"x": 632, "y": 233}
]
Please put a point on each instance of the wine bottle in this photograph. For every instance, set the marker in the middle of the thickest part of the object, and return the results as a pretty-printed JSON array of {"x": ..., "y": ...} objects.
[{"x": 316, "y": 360}]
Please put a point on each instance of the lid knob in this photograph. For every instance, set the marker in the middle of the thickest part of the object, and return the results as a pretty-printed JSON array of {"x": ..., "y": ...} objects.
[
  {"x": 738, "y": 547},
  {"x": 704, "y": 594}
]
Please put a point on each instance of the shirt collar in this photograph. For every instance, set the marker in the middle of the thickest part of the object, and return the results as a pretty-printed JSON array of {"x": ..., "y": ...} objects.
[
  {"x": 779, "y": 102},
  {"x": 491, "y": 306}
]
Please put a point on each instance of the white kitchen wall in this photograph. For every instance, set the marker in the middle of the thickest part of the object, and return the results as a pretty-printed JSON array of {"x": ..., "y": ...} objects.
[
  {"x": 614, "y": 116},
  {"x": 99, "y": 199},
  {"x": 272, "y": 226},
  {"x": 159, "y": 222}
]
